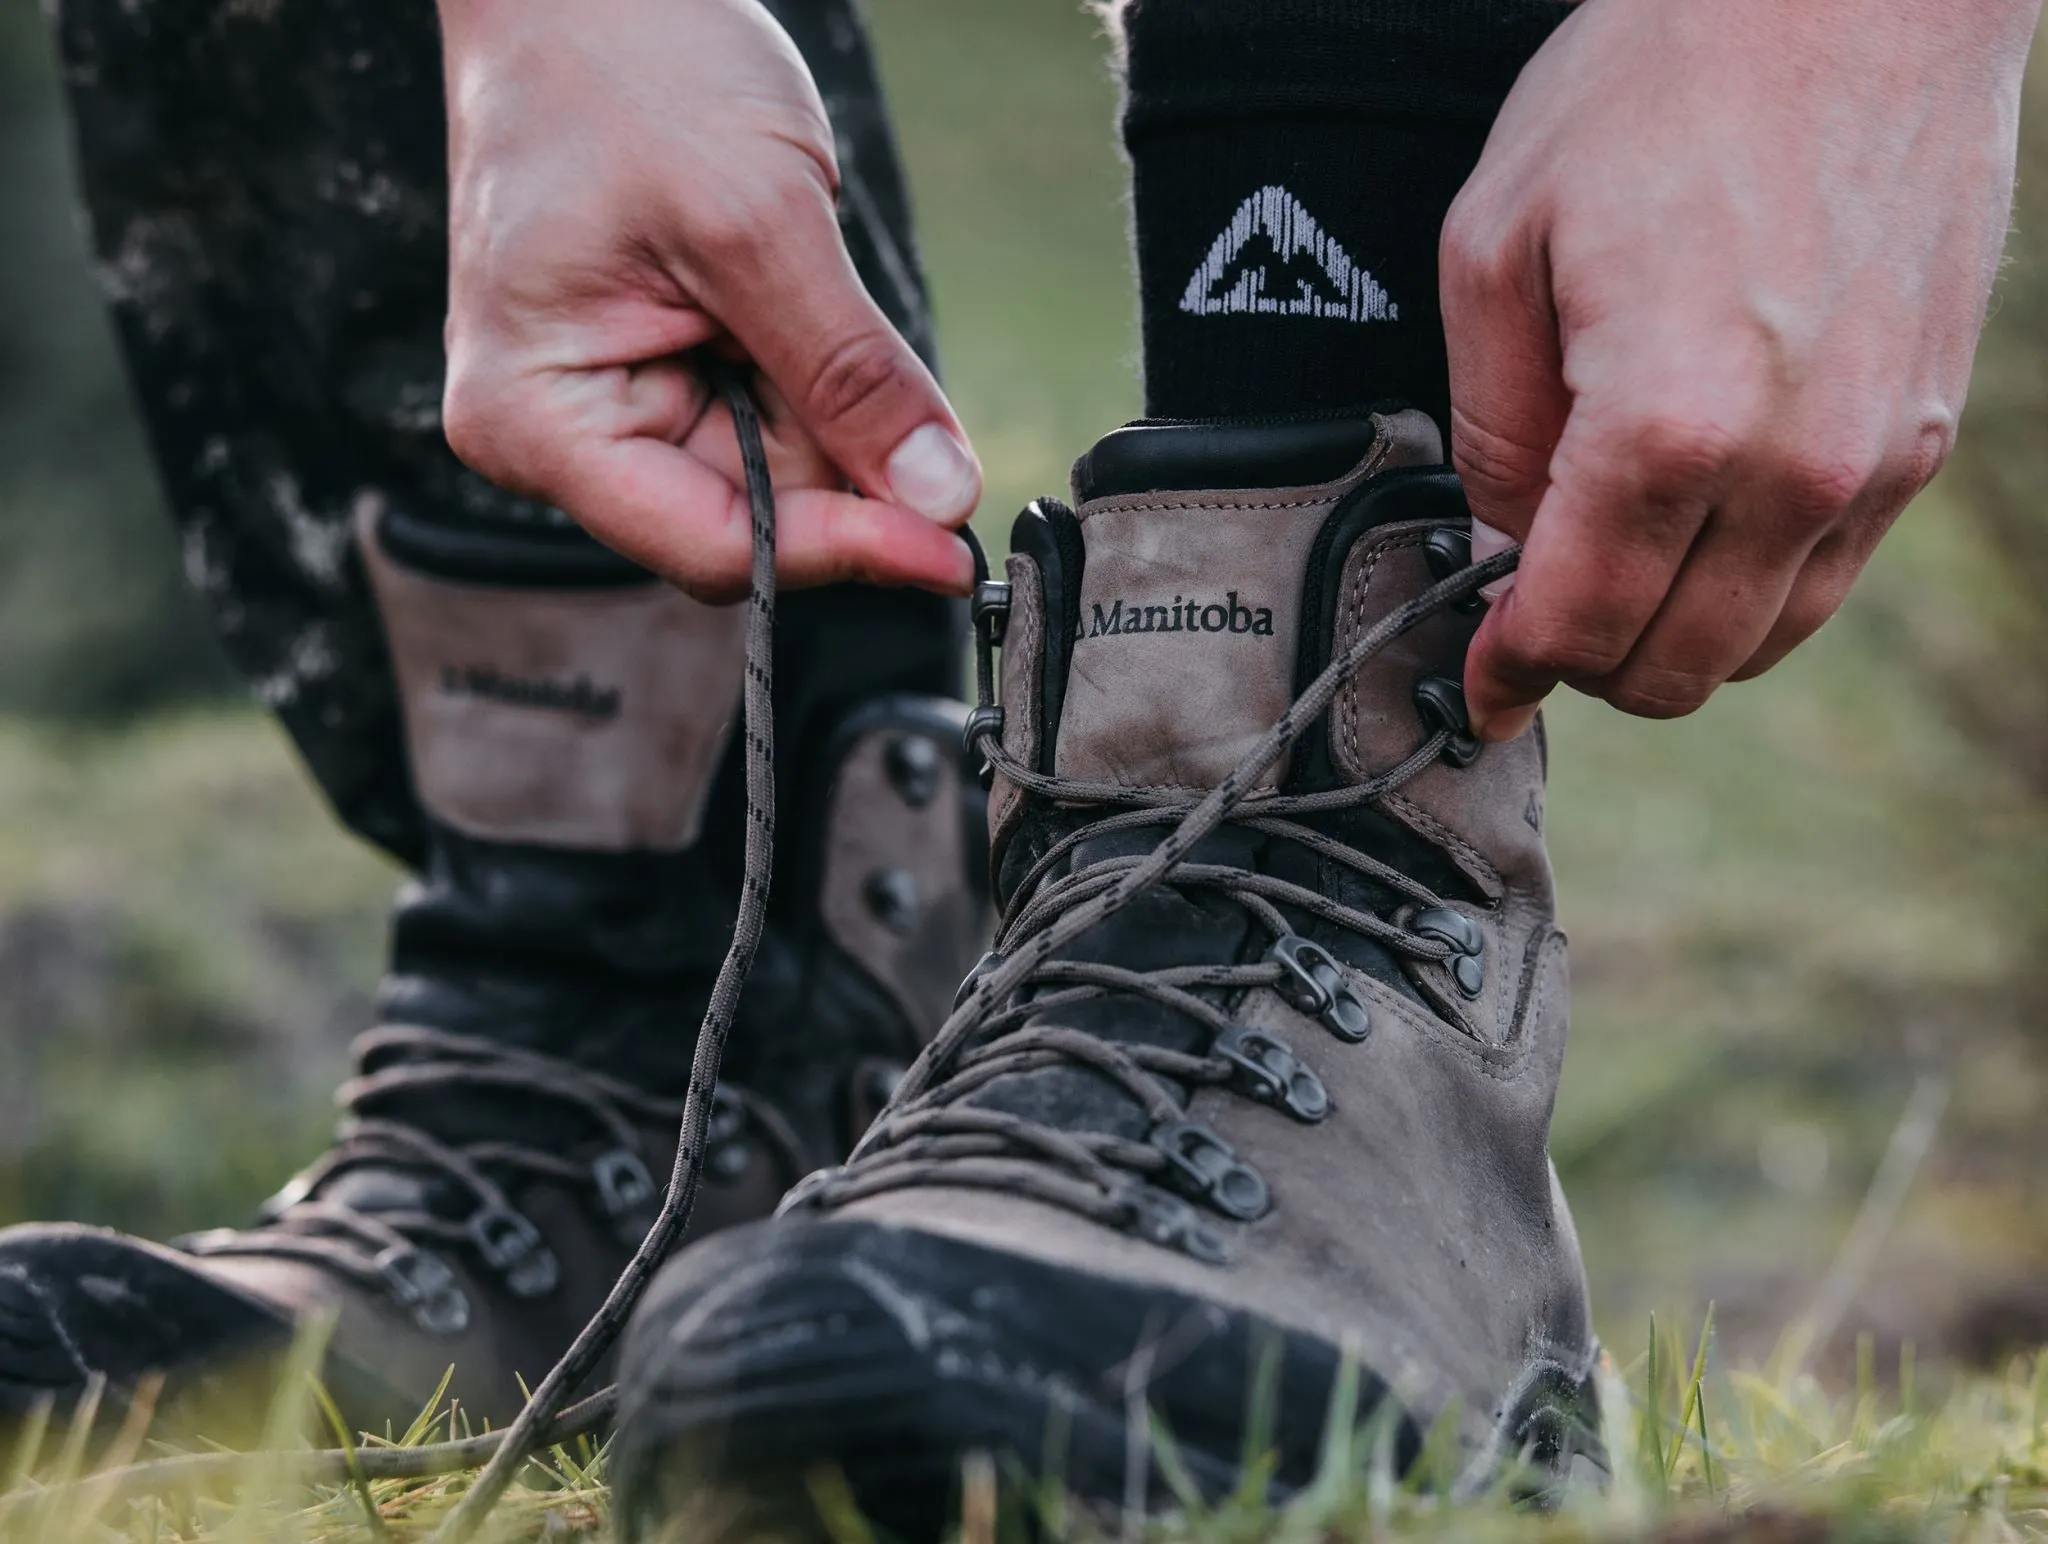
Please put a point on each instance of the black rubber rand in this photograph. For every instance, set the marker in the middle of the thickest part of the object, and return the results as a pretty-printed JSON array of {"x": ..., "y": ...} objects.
[
  {"x": 892, "y": 1354},
  {"x": 65, "y": 1288}
]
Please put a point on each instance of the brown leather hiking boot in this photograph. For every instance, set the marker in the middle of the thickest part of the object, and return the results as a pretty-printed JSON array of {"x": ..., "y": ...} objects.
[
  {"x": 1260, "y": 1075},
  {"x": 514, "y": 1118}
]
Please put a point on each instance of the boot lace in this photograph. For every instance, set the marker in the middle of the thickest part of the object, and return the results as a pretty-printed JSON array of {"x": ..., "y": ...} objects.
[
  {"x": 401, "y": 1251},
  {"x": 932, "y": 1134}
]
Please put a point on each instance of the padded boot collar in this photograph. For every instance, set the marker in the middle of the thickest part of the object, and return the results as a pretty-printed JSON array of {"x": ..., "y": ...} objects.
[{"x": 1154, "y": 454}]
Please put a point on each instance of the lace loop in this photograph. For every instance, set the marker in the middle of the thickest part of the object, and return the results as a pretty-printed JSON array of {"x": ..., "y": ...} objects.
[
  {"x": 1312, "y": 983},
  {"x": 426, "y": 1284},
  {"x": 1268, "y": 1070},
  {"x": 383, "y": 1250}
]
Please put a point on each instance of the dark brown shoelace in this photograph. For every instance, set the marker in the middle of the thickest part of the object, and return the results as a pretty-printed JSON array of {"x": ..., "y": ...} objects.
[{"x": 399, "y": 1251}]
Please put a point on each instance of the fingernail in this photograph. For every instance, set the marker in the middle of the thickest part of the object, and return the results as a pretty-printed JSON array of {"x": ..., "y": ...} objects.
[
  {"x": 1488, "y": 542},
  {"x": 934, "y": 474},
  {"x": 1499, "y": 728}
]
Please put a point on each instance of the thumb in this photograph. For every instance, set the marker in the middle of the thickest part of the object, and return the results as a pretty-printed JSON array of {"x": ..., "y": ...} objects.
[
  {"x": 798, "y": 308},
  {"x": 1509, "y": 403}
]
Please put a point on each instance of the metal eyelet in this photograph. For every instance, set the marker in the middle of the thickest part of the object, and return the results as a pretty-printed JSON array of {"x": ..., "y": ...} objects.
[
  {"x": 1441, "y": 703},
  {"x": 1467, "y": 942},
  {"x": 513, "y": 1247},
  {"x": 729, "y": 1163},
  {"x": 890, "y": 895},
  {"x": 982, "y": 967},
  {"x": 987, "y": 720},
  {"x": 426, "y": 1284},
  {"x": 1271, "y": 1073},
  {"x": 1314, "y": 985},
  {"x": 912, "y": 762},
  {"x": 728, "y": 1122},
  {"x": 869, "y": 1088},
  {"x": 989, "y": 610},
  {"x": 881, "y": 1079},
  {"x": 625, "y": 1189},
  {"x": 1208, "y": 1167},
  {"x": 805, "y": 1193},
  {"x": 1171, "y": 1223},
  {"x": 624, "y": 1183},
  {"x": 727, "y": 1153},
  {"x": 1449, "y": 551},
  {"x": 290, "y": 1194}
]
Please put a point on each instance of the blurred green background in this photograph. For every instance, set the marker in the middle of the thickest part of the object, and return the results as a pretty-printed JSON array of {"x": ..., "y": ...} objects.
[{"x": 1786, "y": 911}]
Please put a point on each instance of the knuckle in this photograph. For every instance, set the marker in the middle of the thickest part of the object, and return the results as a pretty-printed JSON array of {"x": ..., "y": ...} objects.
[
  {"x": 1655, "y": 693},
  {"x": 1810, "y": 607},
  {"x": 716, "y": 587},
  {"x": 1466, "y": 261},
  {"x": 1821, "y": 482},
  {"x": 1583, "y": 649},
  {"x": 856, "y": 376},
  {"x": 855, "y": 546},
  {"x": 1473, "y": 248},
  {"x": 470, "y": 419},
  {"x": 1495, "y": 465},
  {"x": 1680, "y": 436},
  {"x": 716, "y": 566},
  {"x": 1934, "y": 438},
  {"x": 734, "y": 222},
  {"x": 501, "y": 434},
  {"x": 1680, "y": 449}
]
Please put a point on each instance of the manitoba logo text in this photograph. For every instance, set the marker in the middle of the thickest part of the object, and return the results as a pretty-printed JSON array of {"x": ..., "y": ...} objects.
[
  {"x": 1273, "y": 258},
  {"x": 1228, "y": 615},
  {"x": 580, "y": 697}
]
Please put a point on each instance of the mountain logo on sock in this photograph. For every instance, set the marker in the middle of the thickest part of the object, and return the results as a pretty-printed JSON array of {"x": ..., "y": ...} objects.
[{"x": 1273, "y": 258}]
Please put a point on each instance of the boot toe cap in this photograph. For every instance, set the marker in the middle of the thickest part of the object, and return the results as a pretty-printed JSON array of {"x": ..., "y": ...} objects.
[
  {"x": 892, "y": 1353},
  {"x": 78, "y": 1303}
]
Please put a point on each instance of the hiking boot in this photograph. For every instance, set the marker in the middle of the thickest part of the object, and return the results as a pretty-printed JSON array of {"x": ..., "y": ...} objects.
[
  {"x": 513, "y": 1119},
  {"x": 1213, "y": 1120}
]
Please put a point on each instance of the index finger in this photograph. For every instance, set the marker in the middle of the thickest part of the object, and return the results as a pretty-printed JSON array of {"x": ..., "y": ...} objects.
[
  {"x": 671, "y": 512},
  {"x": 1629, "y": 492}
]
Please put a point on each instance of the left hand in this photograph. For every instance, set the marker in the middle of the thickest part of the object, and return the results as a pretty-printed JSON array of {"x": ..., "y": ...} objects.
[
  {"x": 1712, "y": 298},
  {"x": 631, "y": 181}
]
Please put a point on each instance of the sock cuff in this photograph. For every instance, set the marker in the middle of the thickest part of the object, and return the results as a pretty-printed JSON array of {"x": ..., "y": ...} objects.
[{"x": 1206, "y": 61}]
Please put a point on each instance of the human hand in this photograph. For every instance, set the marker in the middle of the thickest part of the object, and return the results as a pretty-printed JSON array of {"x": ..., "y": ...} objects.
[
  {"x": 1712, "y": 297},
  {"x": 634, "y": 179}
]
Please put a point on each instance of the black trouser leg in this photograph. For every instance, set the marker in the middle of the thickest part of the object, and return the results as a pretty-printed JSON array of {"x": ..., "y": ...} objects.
[{"x": 268, "y": 195}]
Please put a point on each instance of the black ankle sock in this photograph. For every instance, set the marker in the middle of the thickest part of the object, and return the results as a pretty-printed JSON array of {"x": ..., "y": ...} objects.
[{"x": 1292, "y": 162}]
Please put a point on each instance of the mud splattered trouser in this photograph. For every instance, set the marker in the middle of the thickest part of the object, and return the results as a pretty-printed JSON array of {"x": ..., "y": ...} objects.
[{"x": 267, "y": 190}]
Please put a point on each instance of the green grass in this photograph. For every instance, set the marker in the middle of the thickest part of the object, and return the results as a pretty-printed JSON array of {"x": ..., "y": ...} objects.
[
  {"x": 1784, "y": 911},
  {"x": 1697, "y": 1450},
  {"x": 180, "y": 925}
]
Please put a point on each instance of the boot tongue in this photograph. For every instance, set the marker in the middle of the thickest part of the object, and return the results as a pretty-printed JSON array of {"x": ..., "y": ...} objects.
[
  {"x": 1198, "y": 541},
  {"x": 1188, "y": 629}
]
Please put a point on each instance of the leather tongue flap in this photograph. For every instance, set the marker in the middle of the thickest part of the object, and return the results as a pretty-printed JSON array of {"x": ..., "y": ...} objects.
[
  {"x": 1188, "y": 629},
  {"x": 590, "y": 716}
]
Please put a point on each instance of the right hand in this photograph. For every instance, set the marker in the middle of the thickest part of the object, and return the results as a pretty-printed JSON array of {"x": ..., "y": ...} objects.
[{"x": 634, "y": 179}]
